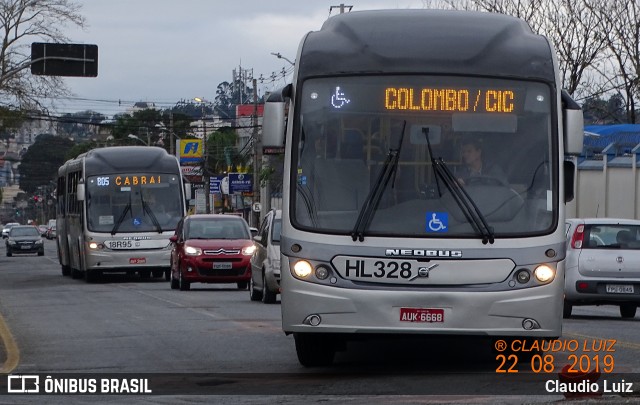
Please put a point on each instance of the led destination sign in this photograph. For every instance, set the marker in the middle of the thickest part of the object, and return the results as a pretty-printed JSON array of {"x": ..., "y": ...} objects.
[
  {"x": 128, "y": 180},
  {"x": 449, "y": 100}
]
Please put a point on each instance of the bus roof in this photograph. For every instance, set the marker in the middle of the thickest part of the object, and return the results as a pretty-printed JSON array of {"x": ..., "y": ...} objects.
[
  {"x": 121, "y": 159},
  {"x": 426, "y": 42}
]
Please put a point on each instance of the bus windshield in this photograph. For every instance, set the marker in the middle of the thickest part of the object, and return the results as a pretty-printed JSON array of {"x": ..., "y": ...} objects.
[
  {"x": 438, "y": 139},
  {"x": 133, "y": 202}
]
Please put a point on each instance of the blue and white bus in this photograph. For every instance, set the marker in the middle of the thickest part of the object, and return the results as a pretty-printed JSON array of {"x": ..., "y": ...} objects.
[
  {"x": 116, "y": 209},
  {"x": 382, "y": 230}
]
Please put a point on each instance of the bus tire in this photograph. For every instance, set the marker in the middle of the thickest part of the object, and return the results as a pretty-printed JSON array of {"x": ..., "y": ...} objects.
[
  {"x": 566, "y": 310},
  {"x": 75, "y": 273},
  {"x": 314, "y": 350},
  {"x": 66, "y": 270},
  {"x": 92, "y": 276}
]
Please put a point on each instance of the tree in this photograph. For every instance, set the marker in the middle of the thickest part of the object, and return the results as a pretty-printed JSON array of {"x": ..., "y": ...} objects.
[
  {"x": 10, "y": 119},
  {"x": 145, "y": 124},
  {"x": 40, "y": 163},
  {"x": 228, "y": 95},
  {"x": 80, "y": 124},
  {"x": 619, "y": 23},
  {"x": 24, "y": 22},
  {"x": 222, "y": 152}
]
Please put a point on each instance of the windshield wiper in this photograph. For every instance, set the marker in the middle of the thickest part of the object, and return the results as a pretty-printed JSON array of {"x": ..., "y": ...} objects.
[
  {"x": 121, "y": 218},
  {"x": 388, "y": 170},
  {"x": 145, "y": 208},
  {"x": 465, "y": 202},
  {"x": 460, "y": 195}
]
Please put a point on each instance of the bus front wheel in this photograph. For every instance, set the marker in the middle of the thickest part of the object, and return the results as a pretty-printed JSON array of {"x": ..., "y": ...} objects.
[{"x": 314, "y": 349}]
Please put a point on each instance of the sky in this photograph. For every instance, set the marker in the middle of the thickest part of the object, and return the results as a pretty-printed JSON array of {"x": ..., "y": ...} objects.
[{"x": 165, "y": 51}]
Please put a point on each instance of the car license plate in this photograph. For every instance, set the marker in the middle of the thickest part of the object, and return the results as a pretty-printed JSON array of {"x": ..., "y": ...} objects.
[
  {"x": 25, "y": 247},
  {"x": 137, "y": 260},
  {"x": 620, "y": 289},
  {"x": 223, "y": 265},
  {"x": 429, "y": 315}
]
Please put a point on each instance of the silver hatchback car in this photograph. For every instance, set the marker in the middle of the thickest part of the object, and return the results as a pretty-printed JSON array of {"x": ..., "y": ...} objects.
[
  {"x": 603, "y": 264},
  {"x": 265, "y": 262}
]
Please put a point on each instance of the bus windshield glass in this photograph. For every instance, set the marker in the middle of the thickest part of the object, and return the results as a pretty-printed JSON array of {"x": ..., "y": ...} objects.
[
  {"x": 133, "y": 202},
  {"x": 426, "y": 156}
]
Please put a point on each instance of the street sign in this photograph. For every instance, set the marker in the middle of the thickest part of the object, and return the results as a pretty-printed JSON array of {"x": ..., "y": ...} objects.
[
  {"x": 240, "y": 182},
  {"x": 77, "y": 60},
  {"x": 257, "y": 207}
]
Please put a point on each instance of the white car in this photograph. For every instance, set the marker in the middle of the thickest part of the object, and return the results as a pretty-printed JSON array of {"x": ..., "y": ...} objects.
[
  {"x": 7, "y": 228},
  {"x": 265, "y": 262},
  {"x": 603, "y": 264}
]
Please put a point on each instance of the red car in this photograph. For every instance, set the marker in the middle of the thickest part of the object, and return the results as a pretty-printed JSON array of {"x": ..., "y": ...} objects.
[{"x": 211, "y": 248}]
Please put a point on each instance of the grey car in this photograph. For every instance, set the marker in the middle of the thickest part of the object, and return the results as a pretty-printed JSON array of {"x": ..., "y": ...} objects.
[
  {"x": 265, "y": 263},
  {"x": 24, "y": 239},
  {"x": 603, "y": 264}
]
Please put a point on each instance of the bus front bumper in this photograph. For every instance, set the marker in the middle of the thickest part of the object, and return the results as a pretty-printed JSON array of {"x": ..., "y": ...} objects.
[{"x": 309, "y": 307}]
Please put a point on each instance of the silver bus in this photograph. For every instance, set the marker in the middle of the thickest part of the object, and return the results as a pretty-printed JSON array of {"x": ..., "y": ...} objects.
[
  {"x": 116, "y": 209},
  {"x": 425, "y": 179}
]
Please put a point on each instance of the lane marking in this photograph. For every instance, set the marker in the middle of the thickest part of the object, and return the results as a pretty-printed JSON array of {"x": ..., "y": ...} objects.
[{"x": 11, "y": 348}]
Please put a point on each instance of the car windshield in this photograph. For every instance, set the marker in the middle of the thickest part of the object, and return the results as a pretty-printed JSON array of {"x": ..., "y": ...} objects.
[
  {"x": 26, "y": 231},
  {"x": 216, "y": 229},
  {"x": 612, "y": 237},
  {"x": 368, "y": 147}
]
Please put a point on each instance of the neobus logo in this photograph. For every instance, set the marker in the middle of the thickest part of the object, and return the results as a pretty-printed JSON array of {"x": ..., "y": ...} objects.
[{"x": 423, "y": 252}]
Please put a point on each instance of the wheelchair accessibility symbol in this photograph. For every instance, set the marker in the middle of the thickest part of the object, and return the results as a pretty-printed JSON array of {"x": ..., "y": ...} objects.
[{"x": 437, "y": 221}]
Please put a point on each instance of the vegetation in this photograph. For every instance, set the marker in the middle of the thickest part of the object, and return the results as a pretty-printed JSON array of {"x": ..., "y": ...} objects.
[
  {"x": 24, "y": 22},
  {"x": 41, "y": 161}
]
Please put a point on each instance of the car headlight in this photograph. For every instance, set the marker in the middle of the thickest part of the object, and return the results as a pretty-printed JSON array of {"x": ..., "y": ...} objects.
[
  {"x": 39, "y": 242},
  {"x": 12, "y": 242},
  {"x": 192, "y": 251},
  {"x": 249, "y": 250}
]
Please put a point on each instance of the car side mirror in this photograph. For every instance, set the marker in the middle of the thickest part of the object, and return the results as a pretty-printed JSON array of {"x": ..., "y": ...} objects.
[
  {"x": 173, "y": 239},
  {"x": 258, "y": 239}
]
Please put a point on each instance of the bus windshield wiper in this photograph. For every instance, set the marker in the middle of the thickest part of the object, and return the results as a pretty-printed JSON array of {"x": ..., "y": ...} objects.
[
  {"x": 121, "y": 218},
  {"x": 465, "y": 202},
  {"x": 145, "y": 208},
  {"x": 388, "y": 170}
]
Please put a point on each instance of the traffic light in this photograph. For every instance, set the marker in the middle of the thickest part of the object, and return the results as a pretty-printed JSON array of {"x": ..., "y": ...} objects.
[{"x": 36, "y": 198}]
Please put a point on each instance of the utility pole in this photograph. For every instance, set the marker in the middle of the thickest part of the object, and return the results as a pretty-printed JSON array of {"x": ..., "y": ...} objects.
[
  {"x": 205, "y": 171},
  {"x": 172, "y": 143},
  {"x": 257, "y": 155}
]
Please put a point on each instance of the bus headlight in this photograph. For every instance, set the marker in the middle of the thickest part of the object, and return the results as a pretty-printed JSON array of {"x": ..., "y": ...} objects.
[
  {"x": 302, "y": 269},
  {"x": 192, "y": 251},
  {"x": 544, "y": 273},
  {"x": 93, "y": 245}
]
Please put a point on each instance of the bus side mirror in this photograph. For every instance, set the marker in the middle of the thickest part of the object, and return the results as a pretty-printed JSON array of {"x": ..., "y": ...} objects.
[
  {"x": 573, "y": 122},
  {"x": 273, "y": 124},
  {"x": 80, "y": 192},
  {"x": 275, "y": 117}
]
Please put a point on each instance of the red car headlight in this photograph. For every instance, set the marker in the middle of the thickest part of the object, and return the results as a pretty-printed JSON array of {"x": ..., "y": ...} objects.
[
  {"x": 249, "y": 250},
  {"x": 192, "y": 251}
]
